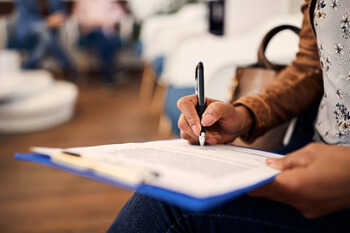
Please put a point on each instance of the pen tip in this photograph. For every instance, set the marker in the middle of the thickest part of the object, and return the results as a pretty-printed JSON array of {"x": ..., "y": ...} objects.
[{"x": 202, "y": 139}]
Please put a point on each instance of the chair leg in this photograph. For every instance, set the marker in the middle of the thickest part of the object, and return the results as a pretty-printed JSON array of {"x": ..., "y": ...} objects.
[
  {"x": 158, "y": 104},
  {"x": 147, "y": 85},
  {"x": 164, "y": 126},
  {"x": 158, "y": 99}
]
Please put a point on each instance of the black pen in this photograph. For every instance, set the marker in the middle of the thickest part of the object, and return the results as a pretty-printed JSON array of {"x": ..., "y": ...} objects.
[{"x": 201, "y": 98}]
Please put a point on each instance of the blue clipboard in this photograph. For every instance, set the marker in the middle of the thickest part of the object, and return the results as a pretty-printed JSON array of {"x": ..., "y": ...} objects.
[{"x": 174, "y": 198}]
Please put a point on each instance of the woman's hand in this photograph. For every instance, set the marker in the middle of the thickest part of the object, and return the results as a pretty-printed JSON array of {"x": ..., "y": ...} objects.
[
  {"x": 55, "y": 20},
  {"x": 315, "y": 180},
  {"x": 222, "y": 120}
]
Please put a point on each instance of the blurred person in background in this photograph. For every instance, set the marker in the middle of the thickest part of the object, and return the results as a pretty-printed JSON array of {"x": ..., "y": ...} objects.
[
  {"x": 98, "y": 22},
  {"x": 37, "y": 29}
]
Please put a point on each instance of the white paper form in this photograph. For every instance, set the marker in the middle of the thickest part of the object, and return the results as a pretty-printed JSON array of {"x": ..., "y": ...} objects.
[{"x": 193, "y": 170}]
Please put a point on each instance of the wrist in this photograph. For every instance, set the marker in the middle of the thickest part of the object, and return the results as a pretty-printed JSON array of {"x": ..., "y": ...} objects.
[{"x": 246, "y": 119}]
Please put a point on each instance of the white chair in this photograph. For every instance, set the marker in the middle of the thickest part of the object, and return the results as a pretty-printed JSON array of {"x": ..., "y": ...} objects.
[
  {"x": 32, "y": 101},
  {"x": 42, "y": 110},
  {"x": 10, "y": 61},
  {"x": 142, "y": 11},
  {"x": 20, "y": 85},
  {"x": 161, "y": 35}
]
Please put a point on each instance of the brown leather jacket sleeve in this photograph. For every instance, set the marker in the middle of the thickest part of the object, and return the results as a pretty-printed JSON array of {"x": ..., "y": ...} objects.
[{"x": 293, "y": 90}]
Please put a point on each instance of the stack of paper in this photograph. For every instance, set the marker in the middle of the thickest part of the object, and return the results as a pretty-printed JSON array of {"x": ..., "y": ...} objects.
[{"x": 188, "y": 176}]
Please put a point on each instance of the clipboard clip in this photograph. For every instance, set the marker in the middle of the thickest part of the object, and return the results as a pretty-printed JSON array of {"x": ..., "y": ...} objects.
[{"x": 122, "y": 173}]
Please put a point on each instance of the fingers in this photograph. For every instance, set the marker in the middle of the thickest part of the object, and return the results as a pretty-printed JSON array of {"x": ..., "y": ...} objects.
[
  {"x": 299, "y": 158},
  {"x": 290, "y": 191},
  {"x": 187, "y": 105},
  {"x": 213, "y": 113},
  {"x": 189, "y": 121},
  {"x": 186, "y": 132},
  {"x": 286, "y": 187},
  {"x": 292, "y": 161},
  {"x": 189, "y": 116}
]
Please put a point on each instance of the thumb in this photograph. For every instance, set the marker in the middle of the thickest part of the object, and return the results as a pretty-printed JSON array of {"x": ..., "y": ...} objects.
[
  {"x": 213, "y": 113},
  {"x": 295, "y": 159}
]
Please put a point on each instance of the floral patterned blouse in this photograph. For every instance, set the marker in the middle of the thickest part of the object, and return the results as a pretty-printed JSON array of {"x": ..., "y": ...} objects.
[{"x": 332, "y": 26}]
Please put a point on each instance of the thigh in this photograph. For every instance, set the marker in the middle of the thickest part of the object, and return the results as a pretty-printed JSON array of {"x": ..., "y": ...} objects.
[
  {"x": 245, "y": 214},
  {"x": 144, "y": 214}
]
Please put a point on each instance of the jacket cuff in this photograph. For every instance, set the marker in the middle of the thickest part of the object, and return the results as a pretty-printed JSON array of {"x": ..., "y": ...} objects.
[{"x": 260, "y": 114}]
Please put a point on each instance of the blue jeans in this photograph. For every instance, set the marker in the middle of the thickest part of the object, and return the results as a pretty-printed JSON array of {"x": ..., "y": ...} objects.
[
  {"x": 106, "y": 47},
  {"x": 245, "y": 214},
  {"x": 45, "y": 41}
]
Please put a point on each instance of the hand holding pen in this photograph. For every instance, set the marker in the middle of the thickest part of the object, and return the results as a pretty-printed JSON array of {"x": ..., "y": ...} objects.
[{"x": 221, "y": 122}]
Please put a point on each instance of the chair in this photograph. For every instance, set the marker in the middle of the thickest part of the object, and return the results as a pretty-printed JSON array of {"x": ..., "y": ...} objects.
[
  {"x": 52, "y": 107},
  {"x": 143, "y": 11},
  {"x": 10, "y": 61},
  {"x": 3, "y": 32},
  {"x": 160, "y": 36},
  {"x": 32, "y": 101}
]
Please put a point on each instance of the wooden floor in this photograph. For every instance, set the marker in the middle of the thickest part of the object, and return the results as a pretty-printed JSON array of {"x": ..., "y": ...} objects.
[{"x": 34, "y": 198}]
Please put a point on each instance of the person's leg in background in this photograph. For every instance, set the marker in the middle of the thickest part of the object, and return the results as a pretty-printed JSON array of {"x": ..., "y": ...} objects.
[
  {"x": 245, "y": 214},
  {"x": 45, "y": 42},
  {"x": 40, "y": 36},
  {"x": 65, "y": 61},
  {"x": 109, "y": 48},
  {"x": 106, "y": 48}
]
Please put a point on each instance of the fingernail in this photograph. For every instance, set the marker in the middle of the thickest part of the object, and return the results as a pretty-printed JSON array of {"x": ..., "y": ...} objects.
[
  {"x": 208, "y": 119},
  {"x": 271, "y": 162},
  {"x": 195, "y": 129}
]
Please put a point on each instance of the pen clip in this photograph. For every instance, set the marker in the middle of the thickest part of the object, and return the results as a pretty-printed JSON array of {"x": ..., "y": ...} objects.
[
  {"x": 196, "y": 80},
  {"x": 199, "y": 84}
]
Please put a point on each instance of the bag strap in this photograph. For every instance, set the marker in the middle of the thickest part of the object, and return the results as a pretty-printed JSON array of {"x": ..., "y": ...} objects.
[{"x": 262, "y": 60}]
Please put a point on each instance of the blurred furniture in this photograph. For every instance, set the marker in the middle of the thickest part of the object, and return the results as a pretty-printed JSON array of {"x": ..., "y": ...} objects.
[
  {"x": 3, "y": 32},
  {"x": 142, "y": 11},
  {"x": 160, "y": 36},
  {"x": 41, "y": 111},
  {"x": 32, "y": 101}
]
